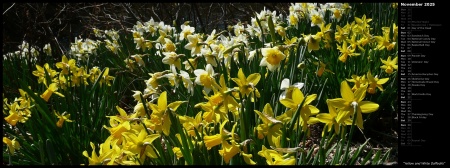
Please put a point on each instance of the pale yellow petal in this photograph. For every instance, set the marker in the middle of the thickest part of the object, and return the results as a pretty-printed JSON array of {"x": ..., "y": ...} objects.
[{"x": 368, "y": 107}]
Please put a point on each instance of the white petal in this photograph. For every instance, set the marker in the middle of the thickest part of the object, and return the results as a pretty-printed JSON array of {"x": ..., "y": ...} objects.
[
  {"x": 285, "y": 84},
  {"x": 299, "y": 85}
]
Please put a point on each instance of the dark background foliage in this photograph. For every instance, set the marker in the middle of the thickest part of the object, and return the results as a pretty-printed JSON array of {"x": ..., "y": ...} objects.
[{"x": 59, "y": 23}]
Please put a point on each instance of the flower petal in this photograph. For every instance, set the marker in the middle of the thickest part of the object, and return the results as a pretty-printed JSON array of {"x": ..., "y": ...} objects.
[
  {"x": 346, "y": 92},
  {"x": 368, "y": 106}
]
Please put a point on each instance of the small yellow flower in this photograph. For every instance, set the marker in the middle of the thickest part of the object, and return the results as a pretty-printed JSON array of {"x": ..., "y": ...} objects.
[
  {"x": 374, "y": 82},
  {"x": 213, "y": 140},
  {"x": 229, "y": 149},
  {"x": 346, "y": 51},
  {"x": 351, "y": 101},
  {"x": 247, "y": 84},
  {"x": 330, "y": 119},
  {"x": 160, "y": 115},
  {"x": 247, "y": 158},
  {"x": 50, "y": 90},
  {"x": 177, "y": 152},
  {"x": 313, "y": 42},
  {"x": 140, "y": 143},
  {"x": 14, "y": 115},
  {"x": 62, "y": 117},
  {"x": 358, "y": 80},
  {"x": 41, "y": 73},
  {"x": 275, "y": 158},
  {"x": 12, "y": 145},
  {"x": 66, "y": 65},
  {"x": 172, "y": 59},
  {"x": 294, "y": 103},
  {"x": 270, "y": 126},
  {"x": 389, "y": 65},
  {"x": 194, "y": 44}
]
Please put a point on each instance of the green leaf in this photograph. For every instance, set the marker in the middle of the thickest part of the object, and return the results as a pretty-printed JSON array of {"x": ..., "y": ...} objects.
[
  {"x": 272, "y": 29},
  {"x": 50, "y": 151}
]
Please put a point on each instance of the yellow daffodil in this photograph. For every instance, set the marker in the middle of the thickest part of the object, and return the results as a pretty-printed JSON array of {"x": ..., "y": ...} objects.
[
  {"x": 106, "y": 78},
  {"x": 229, "y": 149},
  {"x": 384, "y": 41},
  {"x": 66, "y": 65},
  {"x": 330, "y": 119},
  {"x": 212, "y": 110},
  {"x": 293, "y": 104},
  {"x": 205, "y": 77},
  {"x": 140, "y": 144},
  {"x": 321, "y": 68},
  {"x": 342, "y": 33},
  {"x": 12, "y": 118},
  {"x": 107, "y": 154},
  {"x": 189, "y": 62},
  {"x": 177, "y": 152},
  {"x": 358, "y": 80},
  {"x": 288, "y": 88},
  {"x": 172, "y": 59},
  {"x": 18, "y": 113},
  {"x": 363, "y": 22},
  {"x": 352, "y": 101},
  {"x": 13, "y": 145},
  {"x": 247, "y": 85},
  {"x": 80, "y": 76},
  {"x": 346, "y": 51},
  {"x": 395, "y": 30},
  {"x": 275, "y": 158},
  {"x": 40, "y": 72},
  {"x": 160, "y": 116},
  {"x": 214, "y": 140},
  {"x": 192, "y": 123},
  {"x": 389, "y": 65},
  {"x": 194, "y": 44},
  {"x": 119, "y": 124},
  {"x": 313, "y": 42},
  {"x": 62, "y": 117},
  {"x": 247, "y": 158},
  {"x": 227, "y": 96},
  {"x": 326, "y": 31},
  {"x": 270, "y": 127},
  {"x": 374, "y": 82},
  {"x": 272, "y": 58},
  {"x": 50, "y": 90}
]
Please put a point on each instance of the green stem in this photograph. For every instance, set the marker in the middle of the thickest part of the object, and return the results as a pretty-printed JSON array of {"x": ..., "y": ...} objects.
[{"x": 351, "y": 132}]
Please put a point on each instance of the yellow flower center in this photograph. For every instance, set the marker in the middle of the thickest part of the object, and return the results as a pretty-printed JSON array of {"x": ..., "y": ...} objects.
[
  {"x": 293, "y": 20},
  {"x": 274, "y": 58},
  {"x": 316, "y": 19},
  {"x": 389, "y": 70},
  {"x": 337, "y": 14},
  {"x": 169, "y": 47},
  {"x": 205, "y": 79}
]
